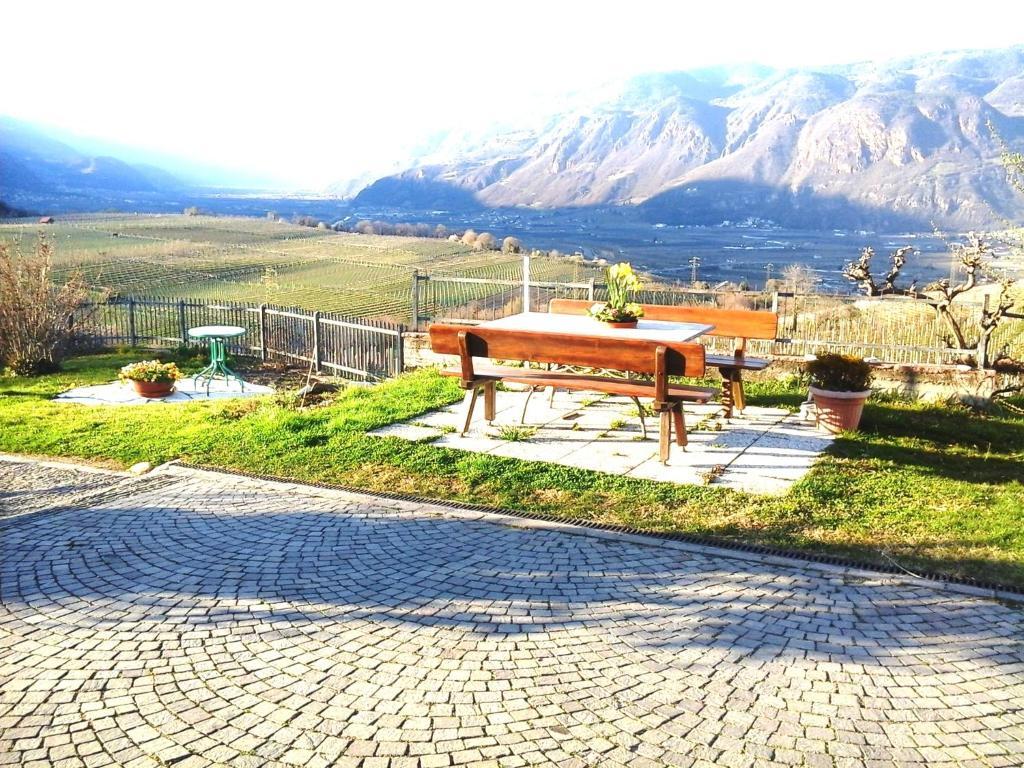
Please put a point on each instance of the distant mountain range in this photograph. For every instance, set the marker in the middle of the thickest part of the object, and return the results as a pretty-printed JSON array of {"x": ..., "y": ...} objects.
[
  {"x": 901, "y": 143},
  {"x": 32, "y": 161}
]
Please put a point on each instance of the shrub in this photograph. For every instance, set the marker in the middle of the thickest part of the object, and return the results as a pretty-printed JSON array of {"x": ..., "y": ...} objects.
[
  {"x": 839, "y": 373},
  {"x": 37, "y": 314}
]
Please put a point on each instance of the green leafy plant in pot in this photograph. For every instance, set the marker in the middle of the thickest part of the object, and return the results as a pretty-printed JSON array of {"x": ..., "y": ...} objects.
[
  {"x": 840, "y": 384},
  {"x": 151, "y": 378},
  {"x": 619, "y": 311}
]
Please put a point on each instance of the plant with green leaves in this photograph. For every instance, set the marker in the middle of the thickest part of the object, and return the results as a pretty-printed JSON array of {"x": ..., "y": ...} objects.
[
  {"x": 622, "y": 281},
  {"x": 152, "y": 371},
  {"x": 839, "y": 373}
]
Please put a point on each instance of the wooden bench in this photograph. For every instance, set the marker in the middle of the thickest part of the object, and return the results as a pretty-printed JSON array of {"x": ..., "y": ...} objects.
[
  {"x": 740, "y": 324},
  {"x": 656, "y": 359}
]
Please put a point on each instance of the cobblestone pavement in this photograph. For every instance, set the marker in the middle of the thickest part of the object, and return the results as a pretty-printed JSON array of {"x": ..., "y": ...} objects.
[
  {"x": 216, "y": 620},
  {"x": 27, "y": 486}
]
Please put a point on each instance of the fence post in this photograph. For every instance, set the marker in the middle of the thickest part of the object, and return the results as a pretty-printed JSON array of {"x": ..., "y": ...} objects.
[
  {"x": 526, "y": 282},
  {"x": 400, "y": 356},
  {"x": 181, "y": 321},
  {"x": 590, "y": 289},
  {"x": 263, "y": 332},
  {"x": 316, "y": 341},
  {"x": 132, "y": 336},
  {"x": 414, "y": 303},
  {"x": 775, "y": 302}
]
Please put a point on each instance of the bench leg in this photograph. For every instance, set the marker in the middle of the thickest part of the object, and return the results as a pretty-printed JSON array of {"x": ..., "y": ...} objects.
[
  {"x": 551, "y": 397},
  {"x": 680, "y": 424},
  {"x": 489, "y": 399},
  {"x": 665, "y": 439},
  {"x": 526, "y": 402},
  {"x": 468, "y": 404},
  {"x": 640, "y": 411},
  {"x": 739, "y": 400},
  {"x": 727, "y": 392}
]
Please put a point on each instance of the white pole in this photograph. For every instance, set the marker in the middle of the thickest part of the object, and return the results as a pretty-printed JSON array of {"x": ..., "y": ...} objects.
[{"x": 526, "y": 282}]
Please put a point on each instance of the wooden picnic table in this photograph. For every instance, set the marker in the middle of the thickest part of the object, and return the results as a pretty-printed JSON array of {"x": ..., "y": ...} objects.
[
  {"x": 654, "y": 348},
  {"x": 584, "y": 325}
]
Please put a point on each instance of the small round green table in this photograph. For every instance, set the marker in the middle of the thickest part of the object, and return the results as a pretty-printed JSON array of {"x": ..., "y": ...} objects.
[{"x": 218, "y": 336}]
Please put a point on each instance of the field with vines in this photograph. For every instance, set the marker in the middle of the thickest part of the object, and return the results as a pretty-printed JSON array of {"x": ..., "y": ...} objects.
[{"x": 257, "y": 260}]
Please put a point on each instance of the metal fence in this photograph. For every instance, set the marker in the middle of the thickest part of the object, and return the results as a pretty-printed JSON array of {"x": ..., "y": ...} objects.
[
  {"x": 356, "y": 348},
  {"x": 893, "y": 329}
]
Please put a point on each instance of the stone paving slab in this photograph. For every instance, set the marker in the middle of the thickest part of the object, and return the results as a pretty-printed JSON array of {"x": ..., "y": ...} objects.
[
  {"x": 185, "y": 391},
  {"x": 218, "y": 620},
  {"x": 765, "y": 450}
]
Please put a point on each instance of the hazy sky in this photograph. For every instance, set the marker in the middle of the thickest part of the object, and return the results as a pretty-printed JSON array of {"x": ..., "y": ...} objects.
[{"x": 308, "y": 93}]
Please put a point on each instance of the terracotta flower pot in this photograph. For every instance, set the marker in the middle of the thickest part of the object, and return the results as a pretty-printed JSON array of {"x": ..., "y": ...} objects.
[
  {"x": 153, "y": 388},
  {"x": 622, "y": 324},
  {"x": 838, "y": 411}
]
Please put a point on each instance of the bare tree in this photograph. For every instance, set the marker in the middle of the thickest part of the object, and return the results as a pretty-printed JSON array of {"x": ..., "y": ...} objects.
[
  {"x": 469, "y": 237},
  {"x": 974, "y": 258},
  {"x": 37, "y": 314},
  {"x": 511, "y": 245},
  {"x": 800, "y": 278},
  {"x": 485, "y": 242}
]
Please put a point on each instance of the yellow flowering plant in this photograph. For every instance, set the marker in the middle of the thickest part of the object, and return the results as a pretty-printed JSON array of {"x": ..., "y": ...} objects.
[
  {"x": 151, "y": 371},
  {"x": 622, "y": 281}
]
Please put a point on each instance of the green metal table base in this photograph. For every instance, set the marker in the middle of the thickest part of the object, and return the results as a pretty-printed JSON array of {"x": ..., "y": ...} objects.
[{"x": 217, "y": 366}]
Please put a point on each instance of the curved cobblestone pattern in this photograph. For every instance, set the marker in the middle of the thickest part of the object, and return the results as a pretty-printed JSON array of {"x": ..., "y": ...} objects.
[
  {"x": 33, "y": 487},
  {"x": 228, "y": 621}
]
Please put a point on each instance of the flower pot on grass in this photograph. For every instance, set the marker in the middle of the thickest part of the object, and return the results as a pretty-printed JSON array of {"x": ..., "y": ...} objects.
[
  {"x": 840, "y": 385},
  {"x": 838, "y": 411},
  {"x": 151, "y": 378},
  {"x": 153, "y": 388}
]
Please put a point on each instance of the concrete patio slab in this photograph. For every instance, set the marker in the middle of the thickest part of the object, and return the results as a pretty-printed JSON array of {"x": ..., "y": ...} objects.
[
  {"x": 186, "y": 391},
  {"x": 765, "y": 450}
]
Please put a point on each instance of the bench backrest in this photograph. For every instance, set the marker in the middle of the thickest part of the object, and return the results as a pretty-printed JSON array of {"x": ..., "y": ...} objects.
[
  {"x": 635, "y": 355},
  {"x": 737, "y": 323}
]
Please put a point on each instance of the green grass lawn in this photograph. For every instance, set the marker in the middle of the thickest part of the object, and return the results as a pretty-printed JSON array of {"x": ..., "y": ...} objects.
[{"x": 933, "y": 487}]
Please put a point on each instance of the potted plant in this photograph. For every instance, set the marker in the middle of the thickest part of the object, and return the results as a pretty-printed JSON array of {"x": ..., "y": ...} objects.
[
  {"x": 151, "y": 378},
  {"x": 619, "y": 311},
  {"x": 839, "y": 386}
]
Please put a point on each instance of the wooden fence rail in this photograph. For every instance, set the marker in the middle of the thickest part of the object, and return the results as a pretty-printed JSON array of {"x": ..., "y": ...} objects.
[{"x": 357, "y": 348}]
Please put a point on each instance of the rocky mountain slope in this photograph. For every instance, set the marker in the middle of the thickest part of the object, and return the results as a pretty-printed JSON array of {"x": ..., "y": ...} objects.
[{"x": 901, "y": 143}]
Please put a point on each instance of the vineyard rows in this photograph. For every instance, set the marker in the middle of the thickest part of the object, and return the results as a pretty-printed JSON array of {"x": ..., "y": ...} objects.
[{"x": 259, "y": 260}]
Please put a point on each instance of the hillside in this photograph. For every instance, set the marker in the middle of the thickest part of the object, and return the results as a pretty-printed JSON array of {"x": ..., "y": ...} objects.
[
  {"x": 32, "y": 161},
  {"x": 902, "y": 143}
]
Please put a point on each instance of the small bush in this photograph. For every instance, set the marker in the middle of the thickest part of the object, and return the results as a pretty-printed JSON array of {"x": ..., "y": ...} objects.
[
  {"x": 37, "y": 314},
  {"x": 839, "y": 373}
]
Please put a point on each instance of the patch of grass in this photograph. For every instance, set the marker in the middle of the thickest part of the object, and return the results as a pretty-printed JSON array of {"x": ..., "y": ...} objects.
[
  {"x": 515, "y": 433},
  {"x": 617, "y": 424},
  {"x": 933, "y": 487}
]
